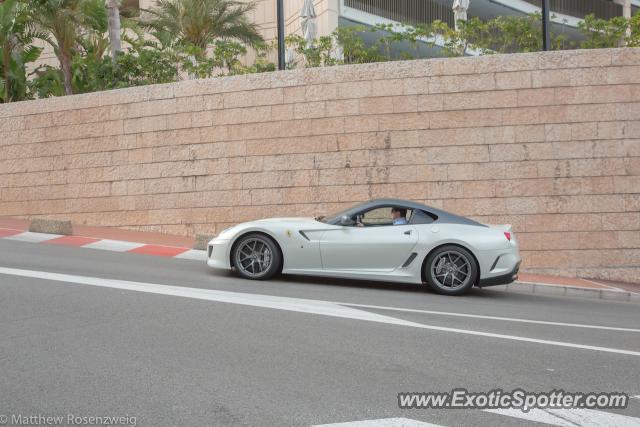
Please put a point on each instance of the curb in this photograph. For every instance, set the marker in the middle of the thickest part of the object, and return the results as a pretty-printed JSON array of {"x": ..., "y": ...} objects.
[
  {"x": 569, "y": 291},
  {"x": 103, "y": 244}
]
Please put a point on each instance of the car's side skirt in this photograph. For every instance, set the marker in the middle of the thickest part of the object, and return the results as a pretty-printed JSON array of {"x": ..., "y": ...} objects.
[{"x": 398, "y": 275}]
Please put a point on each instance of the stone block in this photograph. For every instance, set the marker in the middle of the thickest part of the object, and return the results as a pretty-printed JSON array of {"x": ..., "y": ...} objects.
[
  {"x": 513, "y": 80},
  {"x": 201, "y": 241},
  {"x": 51, "y": 226}
]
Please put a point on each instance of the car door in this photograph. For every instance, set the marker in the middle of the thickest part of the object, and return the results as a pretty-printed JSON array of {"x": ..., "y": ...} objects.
[{"x": 381, "y": 248}]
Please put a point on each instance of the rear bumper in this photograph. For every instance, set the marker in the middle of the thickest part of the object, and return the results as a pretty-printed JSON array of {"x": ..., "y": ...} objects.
[{"x": 503, "y": 279}]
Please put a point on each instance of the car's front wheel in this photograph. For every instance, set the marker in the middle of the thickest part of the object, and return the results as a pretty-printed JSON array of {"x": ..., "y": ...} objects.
[
  {"x": 450, "y": 270},
  {"x": 256, "y": 256}
]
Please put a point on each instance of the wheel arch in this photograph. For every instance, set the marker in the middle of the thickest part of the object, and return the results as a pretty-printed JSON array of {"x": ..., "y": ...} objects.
[
  {"x": 263, "y": 233},
  {"x": 467, "y": 248}
]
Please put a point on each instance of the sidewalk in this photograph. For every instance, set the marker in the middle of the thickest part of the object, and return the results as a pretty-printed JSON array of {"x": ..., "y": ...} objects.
[{"x": 181, "y": 247}]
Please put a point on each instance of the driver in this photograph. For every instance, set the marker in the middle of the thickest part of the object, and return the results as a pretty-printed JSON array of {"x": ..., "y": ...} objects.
[{"x": 399, "y": 216}]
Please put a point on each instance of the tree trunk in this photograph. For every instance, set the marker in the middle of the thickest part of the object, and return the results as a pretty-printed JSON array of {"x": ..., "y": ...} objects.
[
  {"x": 627, "y": 14},
  {"x": 65, "y": 65},
  {"x": 5, "y": 68},
  {"x": 114, "y": 27}
]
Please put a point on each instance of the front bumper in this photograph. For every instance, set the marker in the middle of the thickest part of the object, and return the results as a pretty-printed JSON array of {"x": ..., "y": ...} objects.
[
  {"x": 218, "y": 254},
  {"x": 503, "y": 279}
]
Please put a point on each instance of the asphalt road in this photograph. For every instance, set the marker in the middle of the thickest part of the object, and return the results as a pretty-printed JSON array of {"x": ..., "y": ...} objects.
[{"x": 172, "y": 350}]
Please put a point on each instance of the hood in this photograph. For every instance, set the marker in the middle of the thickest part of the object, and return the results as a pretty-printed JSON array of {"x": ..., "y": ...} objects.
[
  {"x": 295, "y": 222},
  {"x": 291, "y": 220}
]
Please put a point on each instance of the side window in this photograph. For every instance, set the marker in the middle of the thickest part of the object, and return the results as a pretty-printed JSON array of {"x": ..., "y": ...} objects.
[
  {"x": 379, "y": 217},
  {"x": 422, "y": 217}
]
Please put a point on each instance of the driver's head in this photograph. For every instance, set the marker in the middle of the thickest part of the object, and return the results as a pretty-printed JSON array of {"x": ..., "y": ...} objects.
[{"x": 398, "y": 213}]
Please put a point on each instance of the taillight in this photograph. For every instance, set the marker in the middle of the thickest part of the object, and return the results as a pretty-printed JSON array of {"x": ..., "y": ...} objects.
[{"x": 507, "y": 235}]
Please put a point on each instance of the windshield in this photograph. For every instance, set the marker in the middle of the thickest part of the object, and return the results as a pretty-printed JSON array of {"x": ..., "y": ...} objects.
[{"x": 335, "y": 217}]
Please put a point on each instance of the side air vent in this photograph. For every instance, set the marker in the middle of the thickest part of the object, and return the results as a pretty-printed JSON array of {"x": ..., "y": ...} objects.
[
  {"x": 303, "y": 235},
  {"x": 409, "y": 260},
  {"x": 495, "y": 263}
]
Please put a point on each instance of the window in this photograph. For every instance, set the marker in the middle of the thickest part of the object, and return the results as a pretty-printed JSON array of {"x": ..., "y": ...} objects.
[
  {"x": 379, "y": 217},
  {"x": 422, "y": 217}
]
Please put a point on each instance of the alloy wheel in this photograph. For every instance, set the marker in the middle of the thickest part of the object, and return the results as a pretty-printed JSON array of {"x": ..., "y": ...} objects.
[
  {"x": 451, "y": 270},
  {"x": 254, "y": 257}
]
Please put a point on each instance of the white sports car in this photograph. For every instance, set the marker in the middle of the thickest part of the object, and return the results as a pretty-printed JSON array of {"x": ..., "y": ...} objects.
[{"x": 449, "y": 253}]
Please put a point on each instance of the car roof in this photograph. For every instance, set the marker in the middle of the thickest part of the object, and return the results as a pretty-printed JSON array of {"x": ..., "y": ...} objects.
[{"x": 443, "y": 216}]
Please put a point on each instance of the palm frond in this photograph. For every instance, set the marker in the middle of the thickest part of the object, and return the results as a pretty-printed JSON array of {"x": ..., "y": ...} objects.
[
  {"x": 31, "y": 54},
  {"x": 94, "y": 15},
  {"x": 201, "y": 22}
]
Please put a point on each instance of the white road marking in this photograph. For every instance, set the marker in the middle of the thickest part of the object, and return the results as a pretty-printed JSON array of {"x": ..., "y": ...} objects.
[
  {"x": 382, "y": 422},
  {"x": 556, "y": 285},
  {"x": 325, "y": 308},
  {"x": 193, "y": 254},
  {"x": 280, "y": 303},
  {"x": 28, "y": 236},
  {"x": 480, "y": 316},
  {"x": 570, "y": 417},
  {"x": 613, "y": 288},
  {"x": 113, "y": 245}
]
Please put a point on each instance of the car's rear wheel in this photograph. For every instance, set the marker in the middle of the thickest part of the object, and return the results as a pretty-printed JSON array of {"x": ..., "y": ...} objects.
[
  {"x": 450, "y": 270},
  {"x": 257, "y": 257}
]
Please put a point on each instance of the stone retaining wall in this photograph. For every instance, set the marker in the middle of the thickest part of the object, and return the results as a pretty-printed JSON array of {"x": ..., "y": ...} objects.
[{"x": 549, "y": 142}]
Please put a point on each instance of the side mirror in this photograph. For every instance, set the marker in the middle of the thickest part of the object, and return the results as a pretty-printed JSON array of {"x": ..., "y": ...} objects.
[{"x": 346, "y": 221}]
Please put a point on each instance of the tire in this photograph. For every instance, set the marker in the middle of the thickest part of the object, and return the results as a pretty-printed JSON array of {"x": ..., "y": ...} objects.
[
  {"x": 256, "y": 257},
  {"x": 450, "y": 270}
]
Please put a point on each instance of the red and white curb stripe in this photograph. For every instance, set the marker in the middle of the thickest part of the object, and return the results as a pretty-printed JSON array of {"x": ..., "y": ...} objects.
[{"x": 103, "y": 244}]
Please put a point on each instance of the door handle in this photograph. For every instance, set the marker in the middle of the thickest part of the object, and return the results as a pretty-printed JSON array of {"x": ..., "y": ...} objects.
[{"x": 408, "y": 232}]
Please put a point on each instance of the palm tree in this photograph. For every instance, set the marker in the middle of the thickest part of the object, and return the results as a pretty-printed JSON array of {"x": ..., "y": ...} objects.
[
  {"x": 200, "y": 22},
  {"x": 66, "y": 21},
  {"x": 94, "y": 25},
  {"x": 16, "y": 36},
  {"x": 60, "y": 18}
]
